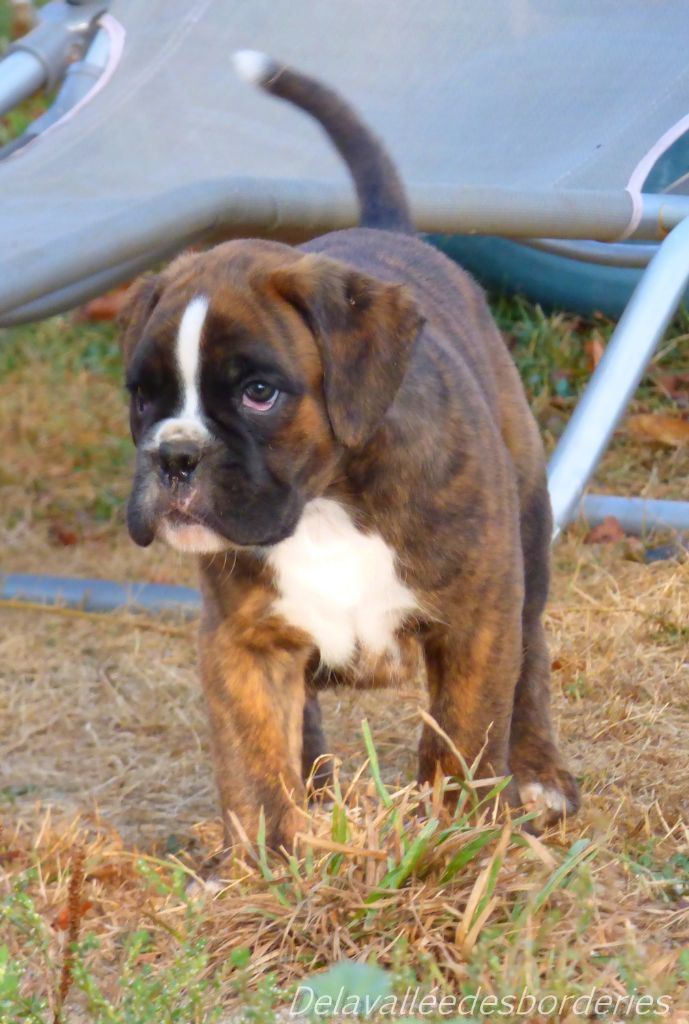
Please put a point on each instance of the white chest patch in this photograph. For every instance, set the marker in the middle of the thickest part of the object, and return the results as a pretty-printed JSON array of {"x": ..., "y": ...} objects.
[{"x": 339, "y": 585}]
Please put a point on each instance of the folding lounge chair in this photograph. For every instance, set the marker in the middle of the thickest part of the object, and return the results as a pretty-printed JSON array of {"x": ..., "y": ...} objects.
[{"x": 525, "y": 119}]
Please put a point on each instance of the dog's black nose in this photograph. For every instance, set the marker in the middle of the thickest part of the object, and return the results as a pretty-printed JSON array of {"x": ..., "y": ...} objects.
[{"x": 178, "y": 460}]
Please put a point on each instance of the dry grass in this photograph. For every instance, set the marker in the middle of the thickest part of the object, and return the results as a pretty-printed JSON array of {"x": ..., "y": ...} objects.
[{"x": 105, "y": 749}]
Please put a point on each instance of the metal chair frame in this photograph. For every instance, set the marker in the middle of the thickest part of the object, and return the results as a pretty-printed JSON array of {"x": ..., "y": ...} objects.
[{"x": 548, "y": 219}]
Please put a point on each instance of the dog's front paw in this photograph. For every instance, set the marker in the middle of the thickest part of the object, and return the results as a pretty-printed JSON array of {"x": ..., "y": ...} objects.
[
  {"x": 282, "y": 829},
  {"x": 200, "y": 889},
  {"x": 276, "y": 826},
  {"x": 553, "y": 795}
]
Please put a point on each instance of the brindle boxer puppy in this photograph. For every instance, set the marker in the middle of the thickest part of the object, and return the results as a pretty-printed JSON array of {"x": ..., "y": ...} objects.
[{"x": 344, "y": 421}]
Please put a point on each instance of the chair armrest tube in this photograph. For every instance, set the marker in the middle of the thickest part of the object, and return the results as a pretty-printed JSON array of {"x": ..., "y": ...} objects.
[{"x": 97, "y": 595}]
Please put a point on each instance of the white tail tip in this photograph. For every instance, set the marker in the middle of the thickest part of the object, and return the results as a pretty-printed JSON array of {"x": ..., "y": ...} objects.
[{"x": 253, "y": 66}]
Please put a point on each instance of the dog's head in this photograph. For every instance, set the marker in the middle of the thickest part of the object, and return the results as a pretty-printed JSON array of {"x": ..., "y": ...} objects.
[{"x": 252, "y": 369}]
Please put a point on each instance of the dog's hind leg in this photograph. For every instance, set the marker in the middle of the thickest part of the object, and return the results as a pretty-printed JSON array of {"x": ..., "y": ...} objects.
[
  {"x": 534, "y": 758},
  {"x": 316, "y": 768},
  {"x": 472, "y": 666}
]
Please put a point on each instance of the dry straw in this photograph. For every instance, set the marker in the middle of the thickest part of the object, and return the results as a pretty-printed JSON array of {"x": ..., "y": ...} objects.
[{"x": 105, "y": 747}]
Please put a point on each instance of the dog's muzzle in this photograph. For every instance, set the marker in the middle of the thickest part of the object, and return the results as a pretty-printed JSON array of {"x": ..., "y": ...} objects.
[{"x": 167, "y": 498}]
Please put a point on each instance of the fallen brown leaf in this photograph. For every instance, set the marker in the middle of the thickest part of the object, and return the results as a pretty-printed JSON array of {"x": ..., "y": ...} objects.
[
  {"x": 23, "y": 18},
  {"x": 595, "y": 350},
  {"x": 111, "y": 874},
  {"x": 608, "y": 532},
  {"x": 62, "y": 535},
  {"x": 669, "y": 430},
  {"x": 62, "y": 919},
  {"x": 673, "y": 384},
  {"x": 577, "y": 665},
  {"x": 104, "y": 307}
]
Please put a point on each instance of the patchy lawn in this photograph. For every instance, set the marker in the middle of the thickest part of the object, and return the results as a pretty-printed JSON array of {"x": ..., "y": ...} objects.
[{"x": 106, "y": 782}]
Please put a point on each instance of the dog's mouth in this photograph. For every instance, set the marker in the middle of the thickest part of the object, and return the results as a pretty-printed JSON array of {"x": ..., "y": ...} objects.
[
  {"x": 186, "y": 532},
  {"x": 192, "y": 519},
  {"x": 176, "y": 517}
]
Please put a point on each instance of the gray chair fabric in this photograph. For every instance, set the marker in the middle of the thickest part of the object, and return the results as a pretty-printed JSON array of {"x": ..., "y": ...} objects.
[{"x": 527, "y": 96}]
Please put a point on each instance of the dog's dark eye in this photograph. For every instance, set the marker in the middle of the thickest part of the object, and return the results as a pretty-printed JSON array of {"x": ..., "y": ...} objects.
[
  {"x": 141, "y": 403},
  {"x": 259, "y": 396}
]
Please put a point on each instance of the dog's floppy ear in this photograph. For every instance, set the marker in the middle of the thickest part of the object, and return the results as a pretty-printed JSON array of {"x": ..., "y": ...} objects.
[
  {"x": 365, "y": 330},
  {"x": 139, "y": 303}
]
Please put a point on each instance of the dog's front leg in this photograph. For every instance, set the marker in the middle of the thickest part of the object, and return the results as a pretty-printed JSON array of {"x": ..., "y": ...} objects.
[{"x": 255, "y": 694}]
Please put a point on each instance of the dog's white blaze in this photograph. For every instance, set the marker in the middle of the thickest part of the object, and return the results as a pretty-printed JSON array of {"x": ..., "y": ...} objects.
[
  {"x": 187, "y": 422},
  {"x": 339, "y": 585},
  {"x": 189, "y": 352}
]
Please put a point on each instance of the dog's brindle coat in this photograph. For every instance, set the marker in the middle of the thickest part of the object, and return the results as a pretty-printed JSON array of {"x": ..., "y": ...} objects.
[{"x": 344, "y": 422}]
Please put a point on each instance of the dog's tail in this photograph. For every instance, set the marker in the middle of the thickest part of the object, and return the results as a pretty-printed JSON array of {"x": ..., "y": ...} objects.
[{"x": 382, "y": 199}]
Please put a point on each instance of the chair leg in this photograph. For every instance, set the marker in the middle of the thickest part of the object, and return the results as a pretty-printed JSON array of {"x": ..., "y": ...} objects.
[
  {"x": 636, "y": 515},
  {"x": 97, "y": 595},
  {"x": 617, "y": 376}
]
